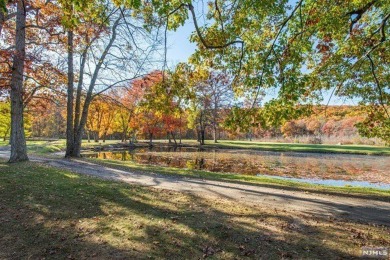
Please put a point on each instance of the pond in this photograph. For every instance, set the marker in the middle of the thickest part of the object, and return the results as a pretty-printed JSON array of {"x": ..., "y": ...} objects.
[{"x": 328, "y": 169}]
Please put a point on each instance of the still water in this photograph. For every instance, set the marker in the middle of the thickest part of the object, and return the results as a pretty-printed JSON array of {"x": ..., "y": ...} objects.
[{"x": 328, "y": 169}]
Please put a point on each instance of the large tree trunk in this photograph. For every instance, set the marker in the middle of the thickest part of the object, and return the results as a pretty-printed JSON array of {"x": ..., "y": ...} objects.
[
  {"x": 69, "y": 105},
  {"x": 77, "y": 145},
  {"x": 17, "y": 139}
]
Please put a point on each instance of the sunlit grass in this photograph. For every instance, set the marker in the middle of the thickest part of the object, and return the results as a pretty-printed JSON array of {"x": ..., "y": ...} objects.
[
  {"x": 47, "y": 147},
  {"x": 55, "y": 214},
  {"x": 322, "y": 148}
]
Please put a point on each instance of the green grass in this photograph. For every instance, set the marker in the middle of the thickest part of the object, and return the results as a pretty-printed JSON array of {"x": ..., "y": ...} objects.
[
  {"x": 259, "y": 180},
  {"x": 55, "y": 214},
  {"x": 47, "y": 147},
  {"x": 317, "y": 148}
]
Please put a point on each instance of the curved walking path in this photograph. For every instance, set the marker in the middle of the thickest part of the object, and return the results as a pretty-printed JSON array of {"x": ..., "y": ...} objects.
[{"x": 357, "y": 209}]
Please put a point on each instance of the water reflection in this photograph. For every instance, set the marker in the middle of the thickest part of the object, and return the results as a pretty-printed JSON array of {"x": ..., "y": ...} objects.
[
  {"x": 373, "y": 169},
  {"x": 336, "y": 183}
]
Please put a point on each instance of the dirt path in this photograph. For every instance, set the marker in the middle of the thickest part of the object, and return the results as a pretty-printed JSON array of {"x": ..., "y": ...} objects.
[{"x": 366, "y": 210}]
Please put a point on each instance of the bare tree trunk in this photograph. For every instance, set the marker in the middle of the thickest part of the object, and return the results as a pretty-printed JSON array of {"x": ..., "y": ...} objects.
[
  {"x": 69, "y": 105},
  {"x": 17, "y": 138},
  {"x": 77, "y": 110}
]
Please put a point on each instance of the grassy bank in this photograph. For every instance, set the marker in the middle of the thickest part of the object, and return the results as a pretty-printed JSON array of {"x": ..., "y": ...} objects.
[
  {"x": 312, "y": 148},
  {"x": 55, "y": 214},
  {"x": 259, "y": 180}
]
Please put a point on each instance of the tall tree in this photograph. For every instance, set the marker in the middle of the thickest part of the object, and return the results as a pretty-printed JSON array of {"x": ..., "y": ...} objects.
[
  {"x": 108, "y": 65},
  {"x": 28, "y": 47},
  {"x": 17, "y": 138}
]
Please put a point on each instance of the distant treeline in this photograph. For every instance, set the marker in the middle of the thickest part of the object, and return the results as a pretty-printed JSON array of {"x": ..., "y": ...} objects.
[{"x": 109, "y": 120}]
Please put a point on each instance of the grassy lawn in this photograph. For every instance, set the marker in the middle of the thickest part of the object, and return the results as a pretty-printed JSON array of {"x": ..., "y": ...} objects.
[
  {"x": 259, "y": 180},
  {"x": 46, "y": 147},
  {"x": 55, "y": 214}
]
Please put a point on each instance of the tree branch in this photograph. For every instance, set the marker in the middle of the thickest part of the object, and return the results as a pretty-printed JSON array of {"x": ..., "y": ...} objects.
[
  {"x": 284, "y": 23},
  {"x": 359, "y": 13},
  {"x": 372, "y": 66}
]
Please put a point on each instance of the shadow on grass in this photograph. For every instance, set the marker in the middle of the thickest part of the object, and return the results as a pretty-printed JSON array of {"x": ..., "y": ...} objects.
[{"x": 56, "y": 214}]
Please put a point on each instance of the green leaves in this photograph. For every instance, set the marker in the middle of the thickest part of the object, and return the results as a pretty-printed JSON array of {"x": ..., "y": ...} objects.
[
  {"x": 5, "y": 119},
  {"x": 3, "y": 6},
  {"x": 302, "y": 49},
  {"x": 376, "y": 124},
  {"x": 75, "y": 11}
]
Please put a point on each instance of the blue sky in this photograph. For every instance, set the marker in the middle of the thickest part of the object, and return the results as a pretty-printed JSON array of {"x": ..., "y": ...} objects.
[{"x": 179, "y": 46}]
